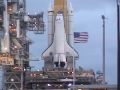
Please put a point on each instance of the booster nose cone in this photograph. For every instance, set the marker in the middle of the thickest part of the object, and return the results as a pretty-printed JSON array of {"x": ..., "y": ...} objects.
[
  {"x": 70, "y": 7},
  {"x": 50, "y": 9}
]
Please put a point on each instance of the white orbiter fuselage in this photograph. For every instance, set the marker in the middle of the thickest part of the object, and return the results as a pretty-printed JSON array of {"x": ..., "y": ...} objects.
[{"x": 59, "y": 47}]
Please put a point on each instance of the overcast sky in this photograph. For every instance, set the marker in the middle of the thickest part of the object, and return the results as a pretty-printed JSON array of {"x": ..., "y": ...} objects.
[{"x": 87, "y": 17}]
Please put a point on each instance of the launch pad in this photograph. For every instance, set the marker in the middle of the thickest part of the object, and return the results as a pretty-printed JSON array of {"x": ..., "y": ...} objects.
[
  {"x": 57, "y": 79},
  {"x": 59, "y": 70}
]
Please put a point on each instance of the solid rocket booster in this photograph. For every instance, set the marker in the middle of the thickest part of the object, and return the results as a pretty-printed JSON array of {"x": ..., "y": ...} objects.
[
  {"x": 70, "y": 24},
  {"x": 50, "y": 24}
]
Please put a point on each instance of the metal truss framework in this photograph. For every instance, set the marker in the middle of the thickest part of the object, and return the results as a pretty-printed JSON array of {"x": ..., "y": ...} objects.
[{"x": 19, "y": 24}]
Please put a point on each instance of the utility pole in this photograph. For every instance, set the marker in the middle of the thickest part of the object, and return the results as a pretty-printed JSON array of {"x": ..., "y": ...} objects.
[{"x": 103, "y": 18}]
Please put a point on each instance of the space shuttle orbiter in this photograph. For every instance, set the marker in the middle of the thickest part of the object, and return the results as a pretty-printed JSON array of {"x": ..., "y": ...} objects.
[{"x": 60, "y": 35}]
